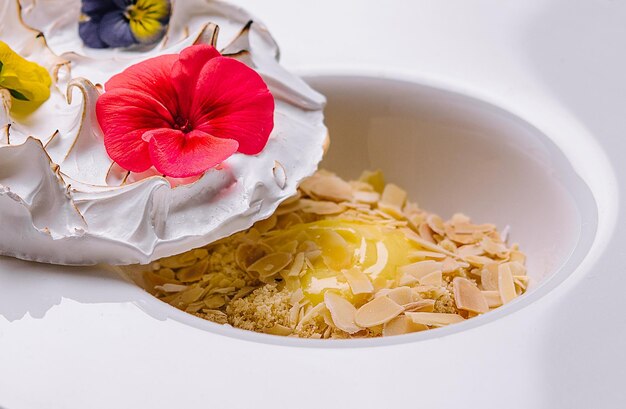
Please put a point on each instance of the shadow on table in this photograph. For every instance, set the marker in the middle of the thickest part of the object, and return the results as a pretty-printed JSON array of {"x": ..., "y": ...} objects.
[
  {"x": 34, "y": 288},
  {"x": 578, "y": 51}
]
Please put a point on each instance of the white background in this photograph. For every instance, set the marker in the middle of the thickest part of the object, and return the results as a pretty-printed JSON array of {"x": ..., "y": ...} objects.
[{"x": 561, "y": 64}]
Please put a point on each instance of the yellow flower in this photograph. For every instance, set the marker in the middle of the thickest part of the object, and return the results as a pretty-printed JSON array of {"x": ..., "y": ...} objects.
[{"x": 25, "y": 80}]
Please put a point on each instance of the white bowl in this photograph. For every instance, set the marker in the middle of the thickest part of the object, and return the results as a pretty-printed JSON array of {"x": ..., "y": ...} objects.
[{"x": 453, "y": 153}]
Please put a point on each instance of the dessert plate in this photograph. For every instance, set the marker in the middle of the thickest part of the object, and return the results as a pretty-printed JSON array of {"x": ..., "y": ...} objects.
[
  {"x": 69, "y": 331},
  {"x": 95, "y": 304}
]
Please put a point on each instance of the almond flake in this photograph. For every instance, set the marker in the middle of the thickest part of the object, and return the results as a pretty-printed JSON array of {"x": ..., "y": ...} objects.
[
  {"x": 506, "y": 285},
  {"x": 449, "y": 265},
  {"x": 435, "y": 278},
  {"x": 422, "y": 305},
  {"x": 517, "y": 269},
  {"x": 436, "y": 224},
  {"x": 278, "y": 329},
  {"x": 435, "y": 319},
  {"x": 366, "y": 197},
  {"x": 297, "y": 265},
  {"x": 489, "y": 277},
  {"x": 320, "y": 208},
  {"x": 427, "y": 254},
  {"x": 470, "y": 250},
  {"x": 318, "y": 285},
  {"x": 270, "y": 264},
  {"x": 402, "y": 325},
  {"x": 468, "y": 297},
  {"x": 478, "y": 261},
  {"x": 393, "y": 196},
  {"x": 171, "y": 288},
  {"x": 342, "y": 312},
  {"x": 413, "y": 237},
  {"x": 267, "y": 224},
  {"x": 493, "y": 298},
  {"x": 378, "y": 311},
  {"x": 358, "y": 281},
  {"x": 494, "y": 248},
  {"x": 426, "y": 233},
  {"x": 311, "y": 314},
  {"x": 382, "y": 256},
  {"x": 194, "y": 272},
  {"x": 401, "y": 295},
  {"x": 518, "y": 256},
  {"x": 420, "y": 268}
]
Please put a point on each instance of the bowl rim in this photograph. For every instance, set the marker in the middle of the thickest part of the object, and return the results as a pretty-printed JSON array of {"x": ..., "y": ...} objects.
[{"x": 591, "y": 241}]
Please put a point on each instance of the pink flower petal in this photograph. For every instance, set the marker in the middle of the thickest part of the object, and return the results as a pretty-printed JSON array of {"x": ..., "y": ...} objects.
[
  {"x": 232, "y": 101},
  {"x": 181, "y": 155},
  {"x": 124, "y": 117},
  {"x": 152, "y": 77},
  {"x": 185, "y": 71}
]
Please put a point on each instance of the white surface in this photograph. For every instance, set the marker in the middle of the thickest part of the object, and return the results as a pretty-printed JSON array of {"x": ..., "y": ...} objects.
[{"x": 557, "y": 64}]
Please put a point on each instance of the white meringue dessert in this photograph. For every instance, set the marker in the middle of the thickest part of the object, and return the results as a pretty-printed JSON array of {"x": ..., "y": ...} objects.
[{"x": 64, "y": 201}]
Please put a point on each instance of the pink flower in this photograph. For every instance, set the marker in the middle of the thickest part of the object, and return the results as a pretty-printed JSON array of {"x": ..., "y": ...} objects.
[{"x": 184, "y": 114}]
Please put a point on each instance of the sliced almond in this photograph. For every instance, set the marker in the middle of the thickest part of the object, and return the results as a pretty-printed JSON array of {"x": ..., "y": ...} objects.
[
  {"x": 436, "y": 224},
  {"x": 297, "y": 265},
  {"x": 506, "y": 285},
  {"x": 489, "y": 277},
  {"x": 265, "y": 225},
  {"x": 247, "y": 253},
  {"x": 435, "y": 319},
  {"x": 342, "y": 312},
  {"x": 278, "y": 329},
  {"x": 450, "y": 265},
  {"x": 358, "y": 281},
  {"x": 401, "y": 295},
  {"x": 478, "y": 261},
  {"x": 171, "y": 288},
  {"x": 521, "y": 282},
  {"x": 382, "y": 257},
  {"x": 378, "y": 311},
  {"x": 407, "y": 279},
  {"x": 420, "y": 268},
  {"x": 518, "y": 256},
  {"x": 318, "y": 285},
  {"x": 435, "y": 278},
  {"x": 194, "y": 272},
  {"x": 311, "y": 314},
  {"x": 413, "y": 237},
  {"x": 494, "y": 248},
  {"x": 320, "y": 207},
  {"x": 393, "y": 196},
  {"x": 468, "y": 297},
  {"x": 493, "y": 298},
  {"x": 427, "y": 254},
  {"x": 366, "y": 197},
  {"x": 422, "y": 305},
  {"x": 517, "y": 269},
  {"x": 328, "y": 187},
  {"x": 402, "y": 325},
  {"x": 470, "y": 250},
  {"x": 270, "y": 264},
  {"x": 425, "y": 232}
]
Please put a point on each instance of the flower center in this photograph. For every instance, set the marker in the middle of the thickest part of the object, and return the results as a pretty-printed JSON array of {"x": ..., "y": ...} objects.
[
  {"x": 136, "y": 12},
  {"x": 183, "y": 124}
]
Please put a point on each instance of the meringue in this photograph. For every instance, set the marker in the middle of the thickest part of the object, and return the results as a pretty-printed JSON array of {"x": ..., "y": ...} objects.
[{"x": 62, "y": 199}]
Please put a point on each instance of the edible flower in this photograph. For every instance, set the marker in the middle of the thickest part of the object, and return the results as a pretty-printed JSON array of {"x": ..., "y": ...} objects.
[
  {"x": 26, "y": 81},
  {"x": 184, "y": 114},
  {"x": 123, "y": 23}
]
